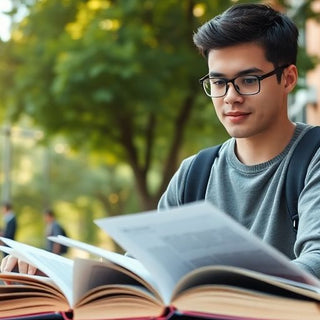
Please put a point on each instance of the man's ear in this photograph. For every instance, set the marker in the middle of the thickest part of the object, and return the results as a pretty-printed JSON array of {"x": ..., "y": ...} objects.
[{"x": 290, "y": 75}]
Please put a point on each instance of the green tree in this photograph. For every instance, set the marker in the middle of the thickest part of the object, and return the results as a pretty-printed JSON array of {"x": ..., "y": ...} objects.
[
  {"x": 118, "y": 77},
  {"x": 78, "y": 189}
]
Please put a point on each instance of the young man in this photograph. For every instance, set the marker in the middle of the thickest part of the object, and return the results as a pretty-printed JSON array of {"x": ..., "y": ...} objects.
[
  {"x": 53, "y": 228},
  {"x": 251, "y": 52},
  {"x": 10, "y": 222}
]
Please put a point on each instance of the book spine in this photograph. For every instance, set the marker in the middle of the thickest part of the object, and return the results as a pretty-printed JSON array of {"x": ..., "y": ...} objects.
[{"x": 67, "y": 315}]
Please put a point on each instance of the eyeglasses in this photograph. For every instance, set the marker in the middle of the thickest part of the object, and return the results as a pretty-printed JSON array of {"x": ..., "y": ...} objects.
[{"x": 215, "y": 87}]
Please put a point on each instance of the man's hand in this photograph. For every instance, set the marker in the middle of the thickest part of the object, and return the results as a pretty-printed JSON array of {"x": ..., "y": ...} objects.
[{"x": 10, "y": 263}]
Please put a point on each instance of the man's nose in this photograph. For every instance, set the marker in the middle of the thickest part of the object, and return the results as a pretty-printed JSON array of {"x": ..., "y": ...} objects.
[
  {"x": 232, "y": 93},
  {"x": 234, "y": 85}
]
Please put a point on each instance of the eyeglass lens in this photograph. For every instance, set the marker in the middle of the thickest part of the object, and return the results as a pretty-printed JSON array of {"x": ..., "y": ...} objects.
[{"x": 217, "y": 87}]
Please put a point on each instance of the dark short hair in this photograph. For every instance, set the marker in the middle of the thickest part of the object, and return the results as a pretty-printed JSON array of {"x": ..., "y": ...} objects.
[
  {"x": 7, "y": 205},
  {"x": 247, "y": 23},
  {"x": 49, "y": 212}
]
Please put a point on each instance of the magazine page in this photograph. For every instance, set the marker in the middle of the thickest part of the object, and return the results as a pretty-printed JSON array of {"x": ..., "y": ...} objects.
[
  {"x": 58, "y": 268},
  {"x": 171, "y": 244}
]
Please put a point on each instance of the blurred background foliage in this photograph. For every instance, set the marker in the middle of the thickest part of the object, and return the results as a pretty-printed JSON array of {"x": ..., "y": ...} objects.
[{"x": 112, "y": 87}]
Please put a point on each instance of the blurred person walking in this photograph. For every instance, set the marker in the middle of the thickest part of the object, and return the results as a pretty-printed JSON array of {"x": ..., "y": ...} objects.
[
  {"x": 54, "y": 228},
  {"x": 10, "y": 222}
]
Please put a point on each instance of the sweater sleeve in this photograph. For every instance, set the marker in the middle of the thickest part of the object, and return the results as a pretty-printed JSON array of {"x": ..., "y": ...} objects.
[
  {"x": 173, "y": 194},
  {"x": 307, "y": 245}
]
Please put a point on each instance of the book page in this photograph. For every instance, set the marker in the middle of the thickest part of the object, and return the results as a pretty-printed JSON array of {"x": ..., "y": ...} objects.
[
  {"x": 172, "y": 243},
  {"x": 126, "y": 262},
  {"x": 106, "y": 274},
  {"x": 58, "y": 268},
  {"x": 5, "y": 249},
  {"x": 245, "y": 279}
]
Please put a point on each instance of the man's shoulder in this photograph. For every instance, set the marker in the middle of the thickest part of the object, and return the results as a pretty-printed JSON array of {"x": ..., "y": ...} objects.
[
  {"x": 186, "y": 163},
  {"x": 56, "y": 225},
  {"x": 11, "y": 217},
  {"x": 303, "y": 132},
  {"x": 302, "y": 128}
]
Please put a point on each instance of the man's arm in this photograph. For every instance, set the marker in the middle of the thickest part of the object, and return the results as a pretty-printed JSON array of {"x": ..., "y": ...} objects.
[
  {"x": 307, "y": 246},
  {"x": 173, "y": 195}
]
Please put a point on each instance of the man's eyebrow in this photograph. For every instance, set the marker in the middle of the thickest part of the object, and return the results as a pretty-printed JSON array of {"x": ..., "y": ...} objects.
[{"x": 213, "y": 74}]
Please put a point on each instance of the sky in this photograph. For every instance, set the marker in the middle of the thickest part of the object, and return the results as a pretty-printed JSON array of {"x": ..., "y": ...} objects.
[{"x": 4, "y": 20}]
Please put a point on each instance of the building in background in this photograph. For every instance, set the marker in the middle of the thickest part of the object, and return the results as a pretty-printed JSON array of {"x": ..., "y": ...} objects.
[
  {"x": 304, "y": 104},
  {"x": 312, "y": 108}
]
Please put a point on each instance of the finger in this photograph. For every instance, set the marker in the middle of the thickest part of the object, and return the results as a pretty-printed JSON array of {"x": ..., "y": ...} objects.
[
  {"x": 23, "y": 266},
  {"x": 8, "y": 263},
  {"x": 3, "y": 263},
  {"x": 31, "y": 269}
]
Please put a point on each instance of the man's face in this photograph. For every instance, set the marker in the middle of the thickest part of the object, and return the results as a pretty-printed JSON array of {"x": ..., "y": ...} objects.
[
  {"x": 250, "y": 115},
  {"x": 47, "y": 218}
]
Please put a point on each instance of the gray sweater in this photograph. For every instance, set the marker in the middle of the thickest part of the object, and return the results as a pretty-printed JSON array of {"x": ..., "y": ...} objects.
[{"x": 252, "y": 195}]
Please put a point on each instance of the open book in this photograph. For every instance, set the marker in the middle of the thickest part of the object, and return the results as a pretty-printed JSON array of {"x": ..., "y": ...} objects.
[{"x": 192, "y": 260}]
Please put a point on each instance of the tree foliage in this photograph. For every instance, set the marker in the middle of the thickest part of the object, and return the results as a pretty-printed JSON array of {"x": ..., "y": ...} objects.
[{"x": 115, "y": 76}]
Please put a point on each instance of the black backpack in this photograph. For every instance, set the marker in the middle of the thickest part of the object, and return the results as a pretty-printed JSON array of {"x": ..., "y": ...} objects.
[
  {"x": 199, "y": 171},
  {"x": 63, "y": 249}
]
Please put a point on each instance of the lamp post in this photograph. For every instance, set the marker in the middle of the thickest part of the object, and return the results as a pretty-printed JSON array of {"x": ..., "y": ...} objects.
[{"x": 7, "y": 152}]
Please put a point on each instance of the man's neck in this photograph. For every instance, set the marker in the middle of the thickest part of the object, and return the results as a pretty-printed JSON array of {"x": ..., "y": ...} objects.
[
  {"x": 262, "y": 148},
  {"x": 8, "y": 216}
]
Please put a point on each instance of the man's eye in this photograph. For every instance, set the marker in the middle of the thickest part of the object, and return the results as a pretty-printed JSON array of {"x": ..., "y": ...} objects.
[
  {"x": 217, "y": 82},
  {"x": 249, "y": 81}
]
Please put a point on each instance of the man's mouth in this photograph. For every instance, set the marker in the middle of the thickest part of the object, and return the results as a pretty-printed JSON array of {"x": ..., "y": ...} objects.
[{"x": 237, "y": 116}]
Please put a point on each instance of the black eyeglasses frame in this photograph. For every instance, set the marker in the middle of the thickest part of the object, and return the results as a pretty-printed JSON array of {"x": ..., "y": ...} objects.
[{"x": 264, "y": 76}]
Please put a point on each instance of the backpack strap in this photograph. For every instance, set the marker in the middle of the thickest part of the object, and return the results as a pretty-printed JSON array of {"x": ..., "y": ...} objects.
[
  {"x": 198, "y": 174},
  {"x": 297, "y": 170}
]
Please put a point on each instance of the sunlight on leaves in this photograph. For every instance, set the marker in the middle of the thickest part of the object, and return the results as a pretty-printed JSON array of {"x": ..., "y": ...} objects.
[
  {"x": 199, "y": 10},
  {"x": 110, "y": 25},
  {"x": 98, "y": 4}
]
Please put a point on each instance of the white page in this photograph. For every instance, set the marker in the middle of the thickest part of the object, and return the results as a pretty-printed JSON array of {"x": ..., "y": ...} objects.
[
  {"x": 99, "y": 273},
  {"x": 174, "y": 242},
  {"x": 129, "y": 263},
  {"x": 6, "y": 249},
  {"x": 58, "y": 268}
]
